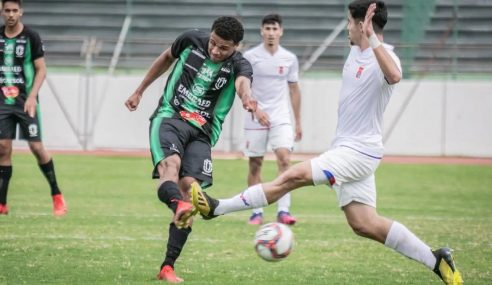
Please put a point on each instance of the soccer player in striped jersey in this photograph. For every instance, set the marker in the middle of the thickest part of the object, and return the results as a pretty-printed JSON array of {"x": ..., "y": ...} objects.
[
  {"x": 22, "y": 72},
  {"x": 187, "y": 122}
]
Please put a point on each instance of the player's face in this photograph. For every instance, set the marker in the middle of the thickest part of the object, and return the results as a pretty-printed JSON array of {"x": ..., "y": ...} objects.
[
  {"x": 354, "y": 29},
  {"x": 271, "y": 34},
  {"x": 11, "y": 14},
  {"x": 220, "y": 49}
]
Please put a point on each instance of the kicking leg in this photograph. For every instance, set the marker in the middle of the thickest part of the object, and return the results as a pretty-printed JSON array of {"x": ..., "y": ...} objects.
[{"x": 256, "y": 196}]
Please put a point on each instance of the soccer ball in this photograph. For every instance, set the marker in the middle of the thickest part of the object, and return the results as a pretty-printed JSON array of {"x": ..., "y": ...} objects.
[{"x": 274, "y": 241}]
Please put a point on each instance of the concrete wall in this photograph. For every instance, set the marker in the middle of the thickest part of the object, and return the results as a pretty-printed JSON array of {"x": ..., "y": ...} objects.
[{"x": 442, "y": 117}]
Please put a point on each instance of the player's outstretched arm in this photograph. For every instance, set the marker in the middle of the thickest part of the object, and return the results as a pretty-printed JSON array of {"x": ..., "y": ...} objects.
[
  {"x": 243, "y": 90},
  {"x": 160, "y": 65}
]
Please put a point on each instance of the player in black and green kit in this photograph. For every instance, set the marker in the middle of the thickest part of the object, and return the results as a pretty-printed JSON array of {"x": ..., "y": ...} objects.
[
  {"x": 188, "y": 120},
  {"x": 22, "y": 72}
]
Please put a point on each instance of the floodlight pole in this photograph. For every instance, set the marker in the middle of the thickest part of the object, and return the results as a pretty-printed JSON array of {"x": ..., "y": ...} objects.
[{"x": 89, "y": 48}]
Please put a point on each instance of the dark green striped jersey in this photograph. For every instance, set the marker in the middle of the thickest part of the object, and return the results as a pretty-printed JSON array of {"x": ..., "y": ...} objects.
[
  {"x": 199, "y": 90},
  {"x": 17, "y": 71}
]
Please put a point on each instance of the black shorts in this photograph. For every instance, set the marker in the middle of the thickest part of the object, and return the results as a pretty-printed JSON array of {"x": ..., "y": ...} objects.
[
  {"x": 13, "y": 115},
  {"x": 175, "y": 136}
]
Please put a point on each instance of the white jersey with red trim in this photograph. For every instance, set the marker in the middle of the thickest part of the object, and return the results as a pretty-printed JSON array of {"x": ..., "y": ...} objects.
[
  {"x": 363, "y": 98},
  {"x": 271, "y": 75}
]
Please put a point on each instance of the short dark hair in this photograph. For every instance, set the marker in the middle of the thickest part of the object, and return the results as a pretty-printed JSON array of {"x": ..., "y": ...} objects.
[
  {"x": 19, "y": 2},
  {"x": 272, "y": 19},
  {"x": 358, "y": 9},
  {"x": 228, "y": 28}
]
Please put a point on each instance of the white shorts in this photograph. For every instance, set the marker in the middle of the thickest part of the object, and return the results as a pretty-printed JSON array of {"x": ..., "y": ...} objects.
[
  {"x": 349, "y": 172},
  {"x": 257, "y": 140}
]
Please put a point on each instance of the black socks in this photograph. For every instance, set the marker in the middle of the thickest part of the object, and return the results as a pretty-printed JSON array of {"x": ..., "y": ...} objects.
[
  {"x": 5, "y": 174},
  {"x": 169, "y": 194},
  {"x": 48, "y": 170},
  {"x": 175, "y": 242}
]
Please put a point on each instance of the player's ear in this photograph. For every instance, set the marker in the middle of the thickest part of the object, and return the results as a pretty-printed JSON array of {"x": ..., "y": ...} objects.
[{"x": 361, "y": 26}]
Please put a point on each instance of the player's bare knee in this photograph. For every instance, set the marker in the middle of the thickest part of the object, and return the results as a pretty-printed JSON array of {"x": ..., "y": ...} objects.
[
  {"x": 255, "y": 164},
  {"x": 5, "y": 150},
  {"x": 171, "y": 165},
  {"x": 360, "y": 229},
  {"x": 37, "y": 149},
  {"x": 283, "y": 164}
]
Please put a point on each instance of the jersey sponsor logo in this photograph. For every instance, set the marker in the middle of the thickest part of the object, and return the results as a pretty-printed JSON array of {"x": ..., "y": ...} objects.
[
  {"x": 4, "y": 80},
  {"x": 206, "y": 74},
  {"x": 15, "y": 68},
  {"x": 33, "y": 130},
  {"x": 207, "y": 167},
  {"x": 195, "y": 117},
  {"x": 10, "y": 92},
  {"x": 198, "y": 89},
  {"x": 184, "y": 92},
  {"x": 9, "y": 48},
  {"x": 280, "y": 70},
  {"x": 221, "y": 81},
  {"x": 359, "y": 72}
]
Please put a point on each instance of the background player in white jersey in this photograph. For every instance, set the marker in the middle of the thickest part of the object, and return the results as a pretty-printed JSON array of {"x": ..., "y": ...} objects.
[
  {"x": 369, "y": 75},
  {"x": 275, "y": 77}
]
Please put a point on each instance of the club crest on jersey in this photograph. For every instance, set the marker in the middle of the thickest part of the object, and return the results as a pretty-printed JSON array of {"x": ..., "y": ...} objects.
[
  {"x": 221, "y": 81},
  {"x": 19, "y": 51},
  {"x": 280, "y": 70},
  {"x": 359, "y": 72}
]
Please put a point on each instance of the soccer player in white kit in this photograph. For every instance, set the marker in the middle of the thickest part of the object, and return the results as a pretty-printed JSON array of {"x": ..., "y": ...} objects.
[
  {"x": 369, "y": 75},
  {"x": 275, "y": 77}
]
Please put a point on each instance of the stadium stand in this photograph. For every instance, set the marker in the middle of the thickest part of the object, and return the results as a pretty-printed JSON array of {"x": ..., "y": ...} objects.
[{"x": 432, "y": 35}]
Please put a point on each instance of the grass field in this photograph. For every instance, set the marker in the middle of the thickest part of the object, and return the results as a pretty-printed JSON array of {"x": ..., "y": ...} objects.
[{"x": 116, "y": 228}]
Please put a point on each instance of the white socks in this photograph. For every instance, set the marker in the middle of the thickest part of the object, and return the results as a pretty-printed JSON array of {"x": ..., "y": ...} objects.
[
  {"x": 405, "y": 242},
  {"x": 283, "y": 204},
  {"x": 253, "y": 197}
]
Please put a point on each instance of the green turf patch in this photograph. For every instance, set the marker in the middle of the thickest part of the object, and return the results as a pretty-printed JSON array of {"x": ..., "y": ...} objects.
[{"x": 116, "y": 228}]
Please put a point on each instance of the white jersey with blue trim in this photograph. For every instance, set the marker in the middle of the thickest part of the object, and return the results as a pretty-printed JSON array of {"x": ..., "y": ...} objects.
[{"x": 363, "y": 98}]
